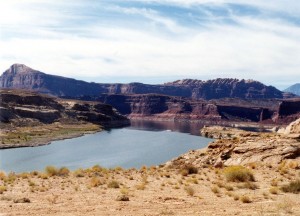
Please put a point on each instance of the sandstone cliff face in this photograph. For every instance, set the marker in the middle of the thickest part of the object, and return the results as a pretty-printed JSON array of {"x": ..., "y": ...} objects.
[
  {"x": 23, "y": 107},
  {"x": 162, "y": 106},
  {"x": 22, "y": 77}
]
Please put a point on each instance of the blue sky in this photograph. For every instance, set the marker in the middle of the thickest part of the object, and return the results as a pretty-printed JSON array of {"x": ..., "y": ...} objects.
[{"x": 154, "y": 41}]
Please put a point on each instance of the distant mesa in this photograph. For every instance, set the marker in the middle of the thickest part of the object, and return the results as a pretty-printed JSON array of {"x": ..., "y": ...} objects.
[
  {"x": 20, "y": 76},
  {"x": 295, "y": 89}
]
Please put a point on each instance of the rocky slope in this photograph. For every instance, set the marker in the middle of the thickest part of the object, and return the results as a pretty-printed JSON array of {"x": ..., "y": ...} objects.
[
  {"x": 295, "y": 89},
  {"x": 20, "y": 107},
  {"x": 22, "y": 77}
]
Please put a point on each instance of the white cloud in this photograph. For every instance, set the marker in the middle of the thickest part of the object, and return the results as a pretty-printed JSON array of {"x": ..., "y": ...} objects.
[{"x": 264, "y": 49}]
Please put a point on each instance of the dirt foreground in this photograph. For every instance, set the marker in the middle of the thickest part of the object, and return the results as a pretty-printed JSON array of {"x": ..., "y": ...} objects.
[{"x": 149, "y": 191}]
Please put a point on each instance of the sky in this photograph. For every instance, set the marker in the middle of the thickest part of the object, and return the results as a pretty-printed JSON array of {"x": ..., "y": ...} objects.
[{"x": 154, "y": 41}]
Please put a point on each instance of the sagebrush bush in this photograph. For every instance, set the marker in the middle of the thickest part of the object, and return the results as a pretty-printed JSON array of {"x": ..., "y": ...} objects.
[
  {"x": 292, "y": 187},
  {"x": 273, "y": 190},
  {"x": 51, "y": 170},
  {"x": 238, "y": 174},
  {"x": 189, "y": 190},
  {"x": 79, "y": 173},
  {"x": 189, "y": 169},
  {"x": 64, "y": 171},
  {"x": 95, "y": 182},
  {"x": 2, "y": 189},
  {"x": 113, "y": 184},
  {"x": 245, "y": 199}
]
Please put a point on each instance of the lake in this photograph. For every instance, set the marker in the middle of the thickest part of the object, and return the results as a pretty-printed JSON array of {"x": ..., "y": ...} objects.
[{"x": 143, "y": 143}]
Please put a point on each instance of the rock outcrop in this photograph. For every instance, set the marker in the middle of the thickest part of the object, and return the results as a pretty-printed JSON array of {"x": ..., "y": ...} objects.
[
  {"x": 24, "y": 107},
  {"x": 238, "y": 147},
  {"x": 22, "y": 77}
]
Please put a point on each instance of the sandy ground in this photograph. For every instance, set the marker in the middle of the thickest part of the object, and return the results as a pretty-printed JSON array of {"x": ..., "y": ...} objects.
[{"x": 152, "y": 191}]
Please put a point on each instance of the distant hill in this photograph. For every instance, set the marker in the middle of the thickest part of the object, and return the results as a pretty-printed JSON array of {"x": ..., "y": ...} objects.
[
  {"x": 19, "y": 76},
  {"x": 295, "y": 89}
]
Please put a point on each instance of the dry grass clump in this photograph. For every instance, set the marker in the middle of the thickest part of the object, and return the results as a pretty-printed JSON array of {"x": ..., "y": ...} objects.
[
  {"x": 274, "y": 190},
  {"x": 95, "y": 182},
  {"x": 79, "y": 173},
  {"x": 238, "y": 174},
  {"x": 215, "y": 189},
  {"x": 2, "y": 175},
  {"x": 189, "y": 190},
  {"x": 189, "y": 169},
  {"x": 123, "y": 198},
  {"x": 51, "y": 170},
  {"x": 141, "y": 186},
  {"x": 292, "y": 187},
  {"x": 245, "y": 199},
  {"x": 63, "y": 171},
  {"x": 113, "y": 184},
  {"x": 2, "y": 189},
  {"x": 249, "y": 185}
]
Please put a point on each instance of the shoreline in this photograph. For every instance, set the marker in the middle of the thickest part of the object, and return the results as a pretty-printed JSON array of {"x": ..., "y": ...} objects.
[
  {"x": 38, "y": 136},
  {"x": 83, "y": 129}
]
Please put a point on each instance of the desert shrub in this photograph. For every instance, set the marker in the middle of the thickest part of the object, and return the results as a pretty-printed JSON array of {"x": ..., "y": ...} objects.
[
  {"x": 113, "y": 184},
  {"x": 34, "y": 173},
  {"x": 273, "y": 190},
  {"x": 245, "y": 199},
  {"x": 292, "y": 187},
  {"x": 238, "y": 174},
  {"x": 24, "y": 175},
  {"x": 189, "y": 190},
  {"x": 229, "y": 188},
  {"x": 2, "y": 189},
  {"x": 141, "y": 186},
  {"x": 63, "y": 171},
  {"x": 122, "y": 198},
  {"x": 79, "y": 173},
  {"x": 2, "y": 175},
  {"x": 215, "y": 189},
  {"x": 189, "y": 169},
  {"x": 11, "y": 177},
  {"x": 124, "y": 191},
  {"x": 51, "y": 170},
  {"x": 95, "y": 182},
  {"x": 250, "y": 185}
]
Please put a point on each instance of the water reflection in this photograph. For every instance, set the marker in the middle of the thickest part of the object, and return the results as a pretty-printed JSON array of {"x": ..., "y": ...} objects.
[{"x": 183, "y": 127}]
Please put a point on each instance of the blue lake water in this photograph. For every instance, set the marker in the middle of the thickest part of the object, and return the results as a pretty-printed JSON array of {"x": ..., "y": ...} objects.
[{"x": 133, "y": 146}]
